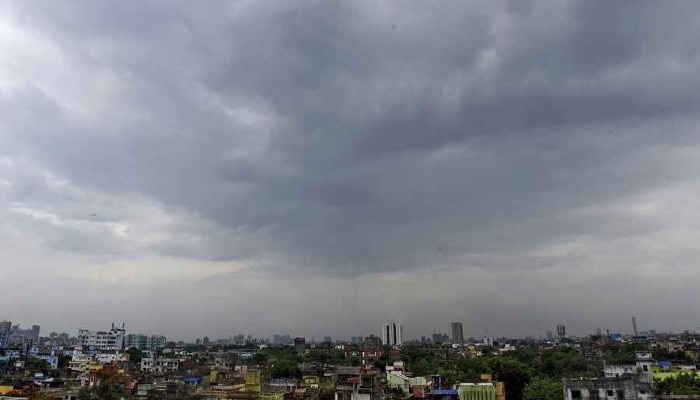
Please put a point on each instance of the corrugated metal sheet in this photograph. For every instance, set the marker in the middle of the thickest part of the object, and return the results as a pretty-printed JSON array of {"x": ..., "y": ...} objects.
[{"x": 477, "y": 392}]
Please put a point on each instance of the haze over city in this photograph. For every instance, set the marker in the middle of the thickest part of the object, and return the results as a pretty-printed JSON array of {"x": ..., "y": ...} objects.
[{"x": 320, "y": 168}]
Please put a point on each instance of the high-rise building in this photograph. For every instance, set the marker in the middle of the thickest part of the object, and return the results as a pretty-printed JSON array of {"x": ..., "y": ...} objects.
[
  {"x": 392, "y": 334},
  {"x": 300, "y": 343},
  {"x": 561, "y": 331},
  {"x": 634, "y": 326},
  {"x": 372, "y": 341},
  {"x": 439, "y": 338},
  {"x": 19, "y": 336},
  {"x": 282, "y": 339},
  {"x": 457, "y": 332},
  {"x": 5, "y": 328},
  {"x": 35, "y": 333}
]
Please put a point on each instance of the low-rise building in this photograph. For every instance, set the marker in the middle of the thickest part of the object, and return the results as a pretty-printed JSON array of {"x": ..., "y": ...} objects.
[
  {"x": 636, "y": 387},
  {"x": 159, "y": 365},
  {"x": 224, "y": 362},
  {"x": 111, "y": 357},
  {"x": 397, "y": 380}
]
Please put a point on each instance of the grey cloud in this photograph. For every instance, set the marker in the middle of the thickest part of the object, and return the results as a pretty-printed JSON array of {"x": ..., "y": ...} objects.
[
  {"x": 349, "y": 103},
  {"x": 349, "y": 138}
]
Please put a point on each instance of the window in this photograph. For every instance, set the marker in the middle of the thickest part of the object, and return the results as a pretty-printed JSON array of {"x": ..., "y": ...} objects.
[
  {"x": 610, "y": 393},
  {"x": 576, "y": 394}
]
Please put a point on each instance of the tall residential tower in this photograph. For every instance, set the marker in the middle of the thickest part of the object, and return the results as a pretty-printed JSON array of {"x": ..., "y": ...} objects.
[
  {"x": 392, "y": 334},
  {"x": 457, "y": 332}
]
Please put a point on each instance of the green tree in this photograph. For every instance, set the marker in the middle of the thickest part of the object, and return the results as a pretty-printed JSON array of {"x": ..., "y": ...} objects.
[
  {"x": 381, "y": 362},
  {"x": 63, "y": 361},
  {"x": 285, "y": 368},
  {"x": 621, "y": 353},
  {"x": 472, "y": 368},
  {"x": 543, "y": 389},
  {"x": 319, "y": 356},
  {"x": 339, "y": 358},
  {"x": 260, "y": 358},
  {"x": 683, "y": 384},
  {"x": 562, "y": 363},
  {"x": 423, "y": 367},
  {"x": 37, "y": 365},
  {"x": 514, "y": 374},
  {"x": 526, "y": 355},
  {"x": 135, "y": 356}
]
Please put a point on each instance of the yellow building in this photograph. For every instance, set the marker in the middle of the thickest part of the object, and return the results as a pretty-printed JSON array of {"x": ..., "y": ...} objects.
[
  {"x": 253, "y": 381},
  {"x": 5, "y": 389}
]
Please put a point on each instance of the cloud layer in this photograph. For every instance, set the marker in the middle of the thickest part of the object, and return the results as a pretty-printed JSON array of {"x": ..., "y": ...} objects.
[{"x": 196, "y": 170}]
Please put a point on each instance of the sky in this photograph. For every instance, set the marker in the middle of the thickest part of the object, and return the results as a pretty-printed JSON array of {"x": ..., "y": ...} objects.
[{"x": 318, "y": 168}]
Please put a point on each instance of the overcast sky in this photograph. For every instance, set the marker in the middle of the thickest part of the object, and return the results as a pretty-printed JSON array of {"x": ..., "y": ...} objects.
[{"x": 321, "y": 167}]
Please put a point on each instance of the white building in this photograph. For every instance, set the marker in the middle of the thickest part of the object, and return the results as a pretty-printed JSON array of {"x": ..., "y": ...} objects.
[
  {"x": 110, "y": 357},
  {"x": 102, "y": 340},
  {"x": 392, "y": 334},
  {"x": 159, "y": 365}
]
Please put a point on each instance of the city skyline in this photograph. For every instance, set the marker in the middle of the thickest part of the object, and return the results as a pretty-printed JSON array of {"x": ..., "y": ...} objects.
[
  {"x": 275, "y": 337},
  {"x": 324, "y": 167}
]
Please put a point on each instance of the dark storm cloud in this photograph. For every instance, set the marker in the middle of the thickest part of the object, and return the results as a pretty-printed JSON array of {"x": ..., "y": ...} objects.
[
  {"x": 348, "y": 137},
  {"x": 323, "y": 120}
]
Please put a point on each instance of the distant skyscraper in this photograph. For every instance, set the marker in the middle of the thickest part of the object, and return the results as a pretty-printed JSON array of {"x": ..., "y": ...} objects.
[
  {"x": 550, "y": 335},
  {"x": 457, "y": 332},
  {"x": 561, "y": 331},
  {"x": 372, "y": 341},
  {"x": 439, "y": 338},
  {"x": 35, "y": 333},
  {"x": 392, "y": 334},
  {"x": 5, "y": 327},
  {"x": 634, "y": 326}
]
